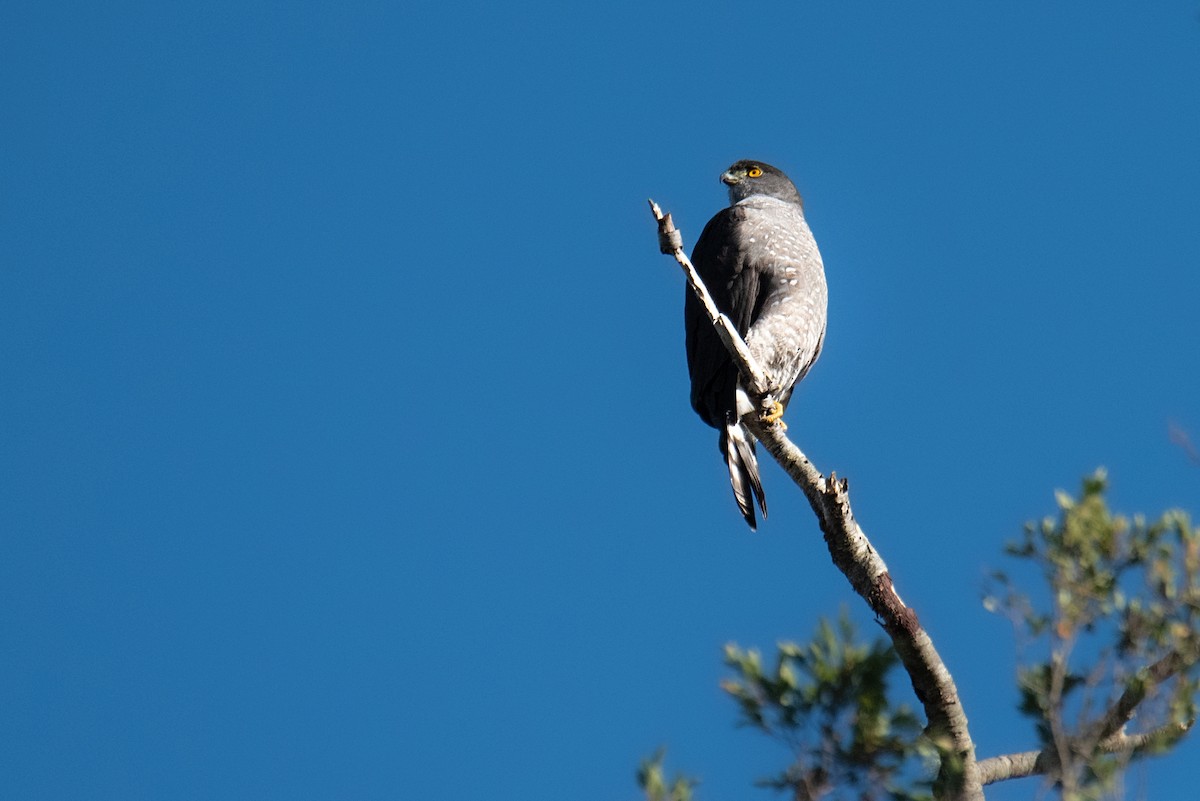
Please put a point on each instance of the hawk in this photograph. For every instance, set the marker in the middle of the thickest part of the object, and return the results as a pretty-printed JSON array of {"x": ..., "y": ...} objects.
[{"x": 760, "y": 263}]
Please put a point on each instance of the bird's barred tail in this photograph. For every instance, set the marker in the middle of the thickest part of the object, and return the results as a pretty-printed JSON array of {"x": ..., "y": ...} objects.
[{"x": 738, "y": 448}]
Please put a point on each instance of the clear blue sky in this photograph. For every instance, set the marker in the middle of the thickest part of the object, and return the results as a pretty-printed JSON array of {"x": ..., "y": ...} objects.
[{"x": 344, "y": 435}]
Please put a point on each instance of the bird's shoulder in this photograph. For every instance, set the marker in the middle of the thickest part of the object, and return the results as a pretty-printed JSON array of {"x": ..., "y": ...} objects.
[
  {"x": 745, "y": 218},
  {"x": 764, "y": 210},
  {"x": 718, "y": 230},
  {"x": 721, "y": 240}
]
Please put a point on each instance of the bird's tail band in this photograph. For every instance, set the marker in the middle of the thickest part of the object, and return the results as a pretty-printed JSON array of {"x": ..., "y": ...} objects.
[{"x": 743, "y": 469}]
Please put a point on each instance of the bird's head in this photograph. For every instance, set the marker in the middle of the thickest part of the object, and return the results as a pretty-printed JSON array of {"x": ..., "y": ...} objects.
[{"x": 746, "y": 178}]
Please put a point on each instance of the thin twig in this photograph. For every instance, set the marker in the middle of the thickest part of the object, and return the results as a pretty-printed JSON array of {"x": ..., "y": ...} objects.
[{"x": 1179, "y": 436}]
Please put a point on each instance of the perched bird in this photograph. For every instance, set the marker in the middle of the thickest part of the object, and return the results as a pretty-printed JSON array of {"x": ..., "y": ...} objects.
[{"x": 760, "y": 263}]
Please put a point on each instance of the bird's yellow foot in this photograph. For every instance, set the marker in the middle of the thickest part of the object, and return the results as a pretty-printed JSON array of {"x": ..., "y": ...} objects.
[{"x": 775, "y": 415}]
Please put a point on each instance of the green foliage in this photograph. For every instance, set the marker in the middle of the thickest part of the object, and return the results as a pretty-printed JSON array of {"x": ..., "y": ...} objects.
[
  {"x": 827, "y": 702},
  {"x": 652, "y": 780},
  {"x": 1113, "y": 644},
  {"x": 1116, "y": 632}
]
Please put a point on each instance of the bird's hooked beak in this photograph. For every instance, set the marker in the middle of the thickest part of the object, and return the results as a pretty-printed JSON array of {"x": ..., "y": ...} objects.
[{"x": 729, "y": 178}]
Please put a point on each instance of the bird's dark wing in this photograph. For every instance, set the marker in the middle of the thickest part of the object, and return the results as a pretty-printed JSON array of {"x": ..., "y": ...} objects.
[{"x": 735, "y": 288}]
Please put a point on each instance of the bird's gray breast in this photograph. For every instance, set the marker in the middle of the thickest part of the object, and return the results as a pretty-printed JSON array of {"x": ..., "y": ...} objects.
[{"x": 785, "y": 334}]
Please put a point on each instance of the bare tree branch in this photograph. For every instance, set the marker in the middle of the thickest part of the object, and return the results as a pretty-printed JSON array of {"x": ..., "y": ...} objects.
[
  {"x": 1147, "y": 680},
  {"x": 1013, "y": 766},
  {"x": 670, "y": 242},
  {"x": 1121, "y": 743},
  {"x": 857, "y": 559},
  {"x": 1037, "y": 763}
]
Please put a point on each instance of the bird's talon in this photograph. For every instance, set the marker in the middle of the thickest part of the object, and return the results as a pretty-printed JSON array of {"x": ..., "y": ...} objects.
[{"x": 775, "y": 415}]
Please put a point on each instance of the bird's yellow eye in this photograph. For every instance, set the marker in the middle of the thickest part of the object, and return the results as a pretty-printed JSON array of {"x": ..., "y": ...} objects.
[{"x": 754, "y": 172}]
